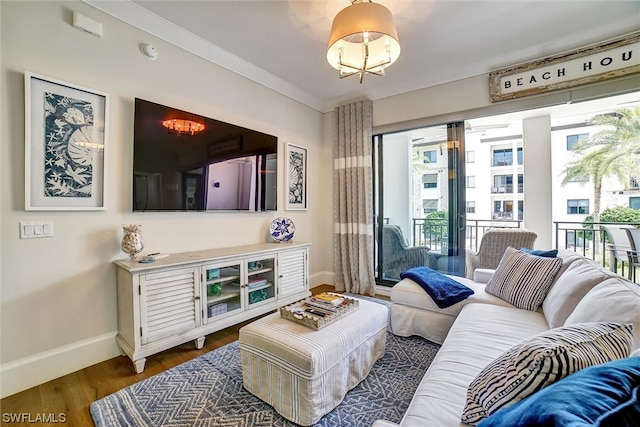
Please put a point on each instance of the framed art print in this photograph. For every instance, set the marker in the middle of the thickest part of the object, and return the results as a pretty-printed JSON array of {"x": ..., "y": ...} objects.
[
  {"x": 65, "y": 145},
  {"x": 296, "y": 178}
]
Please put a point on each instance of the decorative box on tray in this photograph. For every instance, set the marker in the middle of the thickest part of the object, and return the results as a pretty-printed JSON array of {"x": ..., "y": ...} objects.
[{"x": 318, "y": 311}]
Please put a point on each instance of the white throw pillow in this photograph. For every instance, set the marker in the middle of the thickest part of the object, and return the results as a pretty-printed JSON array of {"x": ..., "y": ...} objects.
[
  {"x": 542, "y": 360},
  {"x": 569, "y": 288},
  {"x": 522, "y": 279},
  {"x": 614, "y": 300}
]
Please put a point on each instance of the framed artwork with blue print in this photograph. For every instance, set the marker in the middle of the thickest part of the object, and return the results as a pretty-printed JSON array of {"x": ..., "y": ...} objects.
[
  {"x": 65, "y": 146},
  {"x": 296, "y": 177}
]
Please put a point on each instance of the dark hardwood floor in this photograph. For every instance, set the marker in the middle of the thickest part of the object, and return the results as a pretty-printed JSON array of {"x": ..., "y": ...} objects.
[{"x": 68, "y": 397}]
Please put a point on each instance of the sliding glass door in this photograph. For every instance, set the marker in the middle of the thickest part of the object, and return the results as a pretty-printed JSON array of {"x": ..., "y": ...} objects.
[
  {"x": 432, "y": 182},
  {"x": 420, "y": 216}
]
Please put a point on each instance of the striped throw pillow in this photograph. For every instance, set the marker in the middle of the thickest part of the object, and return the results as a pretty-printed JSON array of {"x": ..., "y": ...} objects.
[
  {"x": 542, "y": 360},
  {"x": 523, "y": 279}
]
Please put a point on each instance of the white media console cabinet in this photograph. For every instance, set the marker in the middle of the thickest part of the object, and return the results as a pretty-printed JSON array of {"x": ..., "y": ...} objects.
[{"x": 186, "y": 296}]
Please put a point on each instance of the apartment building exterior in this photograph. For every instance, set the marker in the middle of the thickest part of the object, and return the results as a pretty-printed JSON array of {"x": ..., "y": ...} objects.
[{"x": 495, "y": 182}]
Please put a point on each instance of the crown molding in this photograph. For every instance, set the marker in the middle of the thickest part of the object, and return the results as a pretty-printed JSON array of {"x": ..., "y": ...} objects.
[{"x": 138, "y": 17}]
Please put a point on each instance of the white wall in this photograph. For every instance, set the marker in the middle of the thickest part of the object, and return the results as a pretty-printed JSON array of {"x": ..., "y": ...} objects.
[
  {"x": 461, "y": 95},
  {"x": 58, "y": 296}
]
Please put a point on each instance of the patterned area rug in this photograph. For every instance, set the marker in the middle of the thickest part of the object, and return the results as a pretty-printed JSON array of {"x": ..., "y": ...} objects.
[{"x": 207, "y": 391}]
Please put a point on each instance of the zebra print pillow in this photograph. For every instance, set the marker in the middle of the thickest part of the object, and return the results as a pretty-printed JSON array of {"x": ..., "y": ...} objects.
[
  {"x": 523, "y": 279},
  {"x": 542, "y": 360}
]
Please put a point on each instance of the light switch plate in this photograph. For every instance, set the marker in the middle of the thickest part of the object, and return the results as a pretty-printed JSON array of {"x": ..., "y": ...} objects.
[{"x": 36, "y": 229}]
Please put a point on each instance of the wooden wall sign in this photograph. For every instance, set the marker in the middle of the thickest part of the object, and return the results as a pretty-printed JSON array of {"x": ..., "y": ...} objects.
[{"x": 613, "y": 58}]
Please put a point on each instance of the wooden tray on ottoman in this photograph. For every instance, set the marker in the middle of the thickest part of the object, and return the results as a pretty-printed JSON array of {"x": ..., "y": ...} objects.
[{"x": 295, "y": 312}]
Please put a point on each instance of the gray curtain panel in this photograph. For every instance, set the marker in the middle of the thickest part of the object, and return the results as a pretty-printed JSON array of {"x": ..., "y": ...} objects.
[{"x": 353, "y": 194}]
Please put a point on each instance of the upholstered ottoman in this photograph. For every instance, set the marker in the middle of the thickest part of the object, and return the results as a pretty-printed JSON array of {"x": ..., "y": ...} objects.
[{"x": 304, "y": 373}]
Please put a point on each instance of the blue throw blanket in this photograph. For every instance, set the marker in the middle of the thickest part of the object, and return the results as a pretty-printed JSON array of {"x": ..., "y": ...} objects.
[{"x": 443, "y": 290}]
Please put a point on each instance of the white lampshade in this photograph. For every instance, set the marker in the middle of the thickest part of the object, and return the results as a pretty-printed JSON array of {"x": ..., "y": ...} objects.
[{"x": 359, "y": 29}]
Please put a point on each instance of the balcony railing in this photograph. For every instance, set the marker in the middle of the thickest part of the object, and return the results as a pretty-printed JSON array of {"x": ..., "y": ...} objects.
[
  {"x": 591, "y": 242},
  {"x": 432, "y": 232},
  {"x": 506, "y": 189},
  {"x": 502, "y": 163}
]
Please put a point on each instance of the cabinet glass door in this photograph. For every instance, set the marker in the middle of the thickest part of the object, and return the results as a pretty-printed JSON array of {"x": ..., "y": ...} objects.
[
  {"x": 260, "y": 281},
  {"x": 222, "y": 289}
]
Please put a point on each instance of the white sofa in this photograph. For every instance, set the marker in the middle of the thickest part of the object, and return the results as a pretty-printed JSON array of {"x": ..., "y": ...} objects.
[{"x": 477, "y": 330}]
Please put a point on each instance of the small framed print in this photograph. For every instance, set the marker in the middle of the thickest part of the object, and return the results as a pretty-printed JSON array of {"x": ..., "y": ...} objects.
[
  {"x": 65, "y": 146},
  {"x": 296, "y": 178}
]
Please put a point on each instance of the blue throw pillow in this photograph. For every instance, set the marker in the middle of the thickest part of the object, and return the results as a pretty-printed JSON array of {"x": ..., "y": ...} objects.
[
  {"x": 551, "y": 253},
  {"x": 605, "y": 395}
]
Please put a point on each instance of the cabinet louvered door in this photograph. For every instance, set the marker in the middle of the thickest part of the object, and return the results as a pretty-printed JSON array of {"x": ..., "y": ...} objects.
[
  {"x": 169, "y": 303},
  {"x": 292, "y": 276}
]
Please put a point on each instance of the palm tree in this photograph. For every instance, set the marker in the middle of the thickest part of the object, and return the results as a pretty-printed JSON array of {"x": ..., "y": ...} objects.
[{"x": 614, "y": 150}]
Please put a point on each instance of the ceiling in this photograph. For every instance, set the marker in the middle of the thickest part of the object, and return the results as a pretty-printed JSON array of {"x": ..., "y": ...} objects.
[{"x": 282, "y": 44}]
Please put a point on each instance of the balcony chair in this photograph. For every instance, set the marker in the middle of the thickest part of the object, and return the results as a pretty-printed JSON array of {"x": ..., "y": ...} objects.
[
  {"x": 634, "y": 253},
  {"x": 618, "y": 246},
  {"x": 493, "y": 244},
  {"x": 398, "y": 255}
]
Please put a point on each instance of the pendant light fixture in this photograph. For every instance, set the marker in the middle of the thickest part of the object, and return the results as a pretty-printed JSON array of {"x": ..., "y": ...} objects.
[{"x": 363, "y": 40}]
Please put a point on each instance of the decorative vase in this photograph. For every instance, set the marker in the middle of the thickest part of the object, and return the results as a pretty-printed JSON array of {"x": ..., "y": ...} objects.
[
  {"x": 282, "y": 230},
  {"x": 132, "y": 240}
]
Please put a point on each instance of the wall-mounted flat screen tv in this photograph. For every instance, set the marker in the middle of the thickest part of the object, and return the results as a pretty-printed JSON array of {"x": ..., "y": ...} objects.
[{"x": 186, "y": 162}]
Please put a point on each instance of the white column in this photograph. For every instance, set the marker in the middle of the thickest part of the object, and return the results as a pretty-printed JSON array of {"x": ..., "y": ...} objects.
[
  {"x": 514, "y": 176},
  {"x": 536, "y": 140},
  {"x": 397, "y": 185}
]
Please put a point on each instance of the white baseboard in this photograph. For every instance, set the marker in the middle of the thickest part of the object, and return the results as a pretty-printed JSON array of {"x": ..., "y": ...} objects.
[
  {"x": 383, "y": 290},
  {"x": 327, "y": 278},
  {"x": 30, "y": 371},
  {"x": 321, "y": 278}
]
